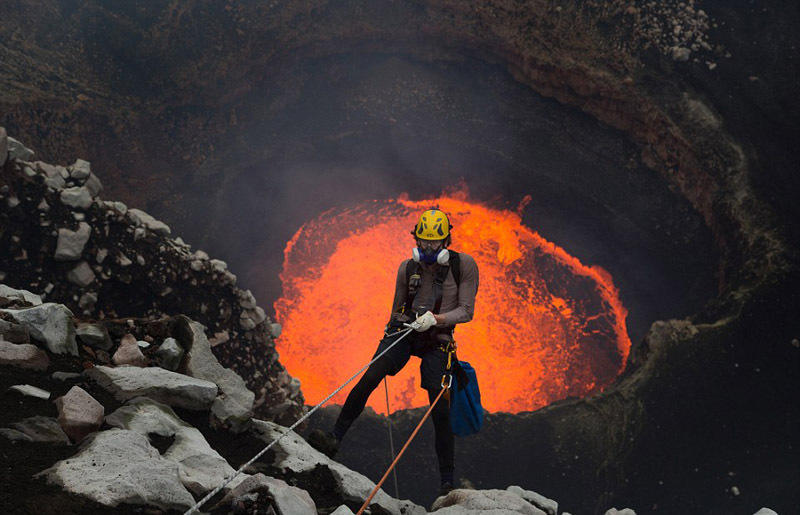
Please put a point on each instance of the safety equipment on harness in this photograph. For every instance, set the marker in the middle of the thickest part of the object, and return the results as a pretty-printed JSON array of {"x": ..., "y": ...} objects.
[
  {"x": 466, "y": 412},
  {"x": 423, "y": 323},
  {"x": 432, "y": 225}
]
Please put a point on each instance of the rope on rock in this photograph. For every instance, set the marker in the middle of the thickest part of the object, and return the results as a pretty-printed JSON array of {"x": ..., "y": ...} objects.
[
  {"x": 400, "y": 454},
  {"x": 315, "y": 408},
  {"x": 391, "y": 438}
]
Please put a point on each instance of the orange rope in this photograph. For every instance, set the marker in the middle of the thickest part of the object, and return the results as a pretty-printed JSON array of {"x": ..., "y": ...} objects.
[{"x": 378, "y": 486}]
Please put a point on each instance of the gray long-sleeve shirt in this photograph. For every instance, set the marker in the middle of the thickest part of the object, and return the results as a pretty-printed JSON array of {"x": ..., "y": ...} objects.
[{"x": 458, "y": 301}]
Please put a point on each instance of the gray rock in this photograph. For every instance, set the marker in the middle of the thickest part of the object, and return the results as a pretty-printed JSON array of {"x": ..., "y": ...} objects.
[
  {"x": 49, "y": 323},
  {"x": 18, "y": 151},
  {"x": 3, "y": 146},
  {"x": 77, "y": 197},
  {"x": 342, "y": 510},
  {"x": 30, "y": 391},
  {"x": 681, "y": 54},
  {"x": 80, "y": 169},
  {"x": 169, "y": 354},
  {"x": 201, "y": 468},
  {"x": 94, "y": 335},
  {"x": 549, "y": 506},
  {"x": 623, "y": 511},
  {"x": 235, "y": 403},
  {"x": 23, "y": 355},
  {"x": 294, "y": 455},
  {"x": 24, "y": 295},
  {"x": 79, "y": 414},
  {"x": 66, "y": 376},
  {"x": 478, "y": 502},
  {"x": 14, "y": 435},
  {"x": 101, "y": 255},
  {"x": 275, "y": 330},
  {"x": 94, "y": 185},
  {"x": 43, "y": 206},
  {"x": 219, "y": 265},
  {"x": 52, "y": 175},
  {"x": 141, "y": 218},
  {"x": 82, "y": 275},
  {"x": 71, "y": 243},
  {"x": 162, "y": 385},
  {"x": 41, "y": 429},
  {"x": 87, "y": 301},
  {"x": 289, "y": 500},
  {"x": 14, "y": 333},
  {"x": 118, "y": 466}
]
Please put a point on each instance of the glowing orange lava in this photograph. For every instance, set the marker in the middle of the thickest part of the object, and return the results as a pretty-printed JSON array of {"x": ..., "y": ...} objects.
[{"x": 546, "y": 327}]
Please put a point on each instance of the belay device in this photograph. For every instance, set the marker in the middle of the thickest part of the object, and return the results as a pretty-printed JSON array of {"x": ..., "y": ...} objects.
[{"x": 466, "y": 412}]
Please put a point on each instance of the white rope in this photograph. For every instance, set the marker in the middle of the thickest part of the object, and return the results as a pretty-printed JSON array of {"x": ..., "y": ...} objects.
[{"x": 265, "y": 449}]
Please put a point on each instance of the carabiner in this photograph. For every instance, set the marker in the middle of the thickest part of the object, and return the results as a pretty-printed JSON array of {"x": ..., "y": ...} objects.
[{"x": 449, "y": 379}]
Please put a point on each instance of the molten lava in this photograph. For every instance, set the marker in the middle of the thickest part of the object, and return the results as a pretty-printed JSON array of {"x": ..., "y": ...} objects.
[{"x": 546, "y": 326}]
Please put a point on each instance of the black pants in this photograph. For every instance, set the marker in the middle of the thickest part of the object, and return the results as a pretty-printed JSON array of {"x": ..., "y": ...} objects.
[{"x": 432, "y": 366}]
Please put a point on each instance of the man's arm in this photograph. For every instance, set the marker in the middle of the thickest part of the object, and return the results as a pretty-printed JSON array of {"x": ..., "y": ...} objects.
[
  {"x": 467, "y": 290},
  {"x": 400, "y": 291}
]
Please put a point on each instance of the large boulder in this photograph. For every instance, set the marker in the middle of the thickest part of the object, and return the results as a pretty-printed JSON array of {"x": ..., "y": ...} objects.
[
  {"x": 234, "y": 406},
  {"x": 49, "y": 323},
  {"x": 121, "y": 467},
  {"x": 20, "y": 295},
  {"x": 23, "y": 355},
  {"x": 162, "y": 385},
  {"x": 293, "y": 455},
  {"x": 200, "y": 467},
  {"x": 18, "y": 151},
  {"x": 70, "y": 244},
  {"x": 479, "y": 502},
  {"x": 79, "y": 413},
  {"x": 289, "y": 500}
]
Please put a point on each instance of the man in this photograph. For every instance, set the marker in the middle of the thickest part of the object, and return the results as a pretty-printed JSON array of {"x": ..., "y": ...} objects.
[{"x": 435, "y": 290}]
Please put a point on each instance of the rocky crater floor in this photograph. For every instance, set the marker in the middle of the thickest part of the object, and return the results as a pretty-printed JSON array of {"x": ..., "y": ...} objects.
[{"x": 115, "y": 397}]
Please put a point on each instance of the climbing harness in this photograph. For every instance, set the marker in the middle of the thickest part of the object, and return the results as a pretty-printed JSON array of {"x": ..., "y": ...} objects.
[
  {"x": 447, "y": 382},
  {"x": 311, "y": 411}
]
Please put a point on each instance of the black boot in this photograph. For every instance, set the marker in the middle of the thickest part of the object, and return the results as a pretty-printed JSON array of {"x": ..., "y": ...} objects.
[{"x": 326, "y": 443}]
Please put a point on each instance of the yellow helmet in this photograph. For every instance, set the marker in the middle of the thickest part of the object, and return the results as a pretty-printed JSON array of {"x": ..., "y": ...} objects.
[{"x": 432, "y": 225}]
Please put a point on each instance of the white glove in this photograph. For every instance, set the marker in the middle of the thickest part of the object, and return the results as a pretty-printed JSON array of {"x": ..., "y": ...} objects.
[{"x": 423, "y": 323}]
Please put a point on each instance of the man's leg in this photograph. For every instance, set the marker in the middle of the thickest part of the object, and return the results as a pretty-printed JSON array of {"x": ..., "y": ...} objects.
[
  {"x": 445, "y": 441},
  {"x": 357, "y": 398}
]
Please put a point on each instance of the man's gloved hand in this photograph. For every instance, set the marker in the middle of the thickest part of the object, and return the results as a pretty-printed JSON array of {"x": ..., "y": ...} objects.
[{"x": 423, "y": 323}]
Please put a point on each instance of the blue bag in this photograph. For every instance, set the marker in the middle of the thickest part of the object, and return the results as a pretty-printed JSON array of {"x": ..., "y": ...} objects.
[{"x": 466, "y": 412}]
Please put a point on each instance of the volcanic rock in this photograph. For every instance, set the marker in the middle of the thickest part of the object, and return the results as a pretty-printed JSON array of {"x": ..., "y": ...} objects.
[
  {"x": 129, "y": 353},
  {"x": 288, "y": 499},
  {"x": 549, "y": 506},
  {"x": 294, "y": 455},
  {"x": 119, "y": 466},
  {"x": 162, "y": 385},
  {"x": 14, "y": 333},
  {"x": 80, "y": 170},
  {"x": 200, "y": 467},
  {"x": 82, "y": 275},
  {"x": 169, "y": 354},
  {"x": 234, "y": 406},
  {"x": 77, "y": 197},
  {"x": 623, "y": 511},
  {"x": 94, "y": 185},
  {"x": 30, "y": 391},
  {"x": 476, "y": 502},
  {"x": 79, "y": 413},
  {"x": 49, "y": 323},
  {"x": 41, "y": 429},
  {"x": 139, "y": 217},
  {"x": 18, "y": 151},
  {"x": 94, "y": 335},
  {"x": 20, "y": 295},
  {"x": 70, "y": 244},
  {"x": 23, "y": 356}
]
